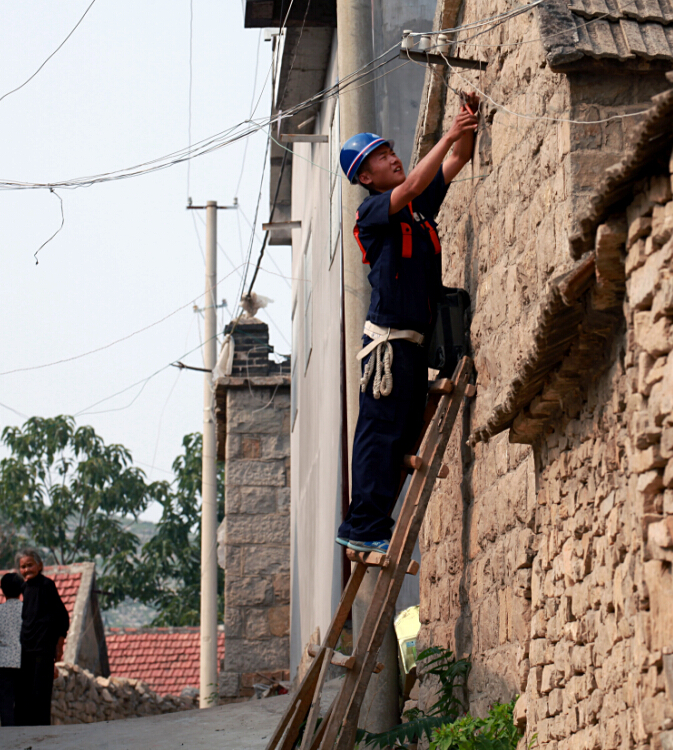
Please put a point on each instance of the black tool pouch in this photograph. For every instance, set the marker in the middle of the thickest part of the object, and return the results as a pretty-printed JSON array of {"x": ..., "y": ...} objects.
[{"x": 448, "y": 342}]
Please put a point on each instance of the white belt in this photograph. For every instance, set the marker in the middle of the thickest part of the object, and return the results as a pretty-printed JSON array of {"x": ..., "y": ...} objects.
[
  {"x": 381, "y": 360},
  {"x": 379, "y": 335}
]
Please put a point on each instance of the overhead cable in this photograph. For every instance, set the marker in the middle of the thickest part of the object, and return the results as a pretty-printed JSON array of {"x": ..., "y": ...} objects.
[
  {"x": 28, "y": 80},
  {"x": 117, "y": 341}
]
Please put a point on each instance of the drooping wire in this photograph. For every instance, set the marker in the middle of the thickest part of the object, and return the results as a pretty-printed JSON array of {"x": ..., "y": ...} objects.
[
  {"x": 273, "y": 209},
  {"x": 28, "y": 80},
  {"x": 46, "y": 242}
]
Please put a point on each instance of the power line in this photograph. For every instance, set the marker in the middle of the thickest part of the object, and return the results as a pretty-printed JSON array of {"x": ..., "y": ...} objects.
[
  {"x": 539, "y": 118},
  {"x": 28, "y": 80},
  {"x": 273, "y": 210},
  {"x": 18, "y": 413},
  {"x": 208, "y": 145},
  {"x": 117, "y": 341}
]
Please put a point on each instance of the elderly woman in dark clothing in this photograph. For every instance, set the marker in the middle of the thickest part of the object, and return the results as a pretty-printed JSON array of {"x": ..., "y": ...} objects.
[{"x": 44, "y": 626}]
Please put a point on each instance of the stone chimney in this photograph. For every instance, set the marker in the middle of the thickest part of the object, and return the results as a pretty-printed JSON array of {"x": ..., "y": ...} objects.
[{"x": 252, "y": 350}]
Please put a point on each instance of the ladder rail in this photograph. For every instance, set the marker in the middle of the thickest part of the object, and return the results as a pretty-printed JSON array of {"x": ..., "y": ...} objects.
[
  {"x": 340, "y": 722},
  {"x": 344, "y": 717},
  {"x": 312, "y": 675}
]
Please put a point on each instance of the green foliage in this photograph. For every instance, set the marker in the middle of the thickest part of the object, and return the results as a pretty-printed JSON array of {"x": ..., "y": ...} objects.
[
  {"x": 495, "y": 732},
  {"x": 452, "y": 675},
  {"x": 171, "y": 561},
  {"x": 67, "y": 492}
]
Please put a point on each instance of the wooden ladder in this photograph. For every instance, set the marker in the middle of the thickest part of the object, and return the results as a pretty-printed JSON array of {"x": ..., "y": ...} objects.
[{"x": 338, "y": 729}]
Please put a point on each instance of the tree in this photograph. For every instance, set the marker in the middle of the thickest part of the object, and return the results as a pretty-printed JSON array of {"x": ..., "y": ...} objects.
[
  {"x": 68, "y": 493},
  {"x": 171, "y": 560}
]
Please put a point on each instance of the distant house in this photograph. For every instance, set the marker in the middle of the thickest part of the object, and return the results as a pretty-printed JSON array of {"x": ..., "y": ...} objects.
[
  {"x": 167, "y": 659},
  {"x": 85, "y": 644}
]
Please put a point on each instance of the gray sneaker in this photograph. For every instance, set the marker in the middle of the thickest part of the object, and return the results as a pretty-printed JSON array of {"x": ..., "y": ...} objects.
[{"x": 358, "y": 546}]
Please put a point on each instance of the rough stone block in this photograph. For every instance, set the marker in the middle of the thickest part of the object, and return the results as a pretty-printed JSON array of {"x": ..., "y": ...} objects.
[
  {"x": 256, "y": 624},
  {"x": 659, "y": 580},
  {"x": 636, "y": 257},
  {"x": 249, "y": 500},
  {"x": 243, "y": 655},
  {"x": 638, "y": 228},
  {"x": 244, "y": 416},
  {"x": 644, "y": 282},
  {"x": 538, "y": 652},
  {"x": 551, "y": 678},
  {"x": 247, "y": 591},
  {"x": 668, "y": 503},
  {"x": 283, "y": 495},
  {"x": 262, "y": 529},
  {"x": 265, "y": 561},
  {"x": 661, "y": 533},
  {"x": 659, "y": 189},
  {"x": 281, "y": 589},
  {"x": 255, "y": 473},
  {"x": 662, "y": 304},
  {"x": 279, "y": 620},
  {"x": 662, "y": 223},
  {"x": 233, "y": 622},
  {"x": 648, "y": 459},
  {"x": 229, "y": 684}
]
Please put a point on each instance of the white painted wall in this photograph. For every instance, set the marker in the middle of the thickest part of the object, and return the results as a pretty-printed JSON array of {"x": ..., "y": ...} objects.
[{"x": 316, "y": 432}]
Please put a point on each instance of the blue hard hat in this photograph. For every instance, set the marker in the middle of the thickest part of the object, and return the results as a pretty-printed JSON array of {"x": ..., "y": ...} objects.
[{"x": 356, "y": 150}]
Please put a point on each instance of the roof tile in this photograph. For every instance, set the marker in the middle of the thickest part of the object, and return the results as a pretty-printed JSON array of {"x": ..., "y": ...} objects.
[{"x": 166, "y": 659}]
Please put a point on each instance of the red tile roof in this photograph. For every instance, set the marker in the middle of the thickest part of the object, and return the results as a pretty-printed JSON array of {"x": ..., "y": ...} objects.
[
  {"x": 67, "y": 583},
  {"x": 167, "y": 659}
]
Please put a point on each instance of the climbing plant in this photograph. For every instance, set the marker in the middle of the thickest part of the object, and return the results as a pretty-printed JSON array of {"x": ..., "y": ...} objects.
[{"x": 452, "y": 675}]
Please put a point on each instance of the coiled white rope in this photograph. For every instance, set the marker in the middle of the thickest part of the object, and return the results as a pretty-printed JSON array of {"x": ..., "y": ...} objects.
[{"x": 380, "y": 363}]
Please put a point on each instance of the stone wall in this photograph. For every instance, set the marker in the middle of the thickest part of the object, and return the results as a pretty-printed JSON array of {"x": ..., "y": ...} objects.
[
  {"x": 490, "y": 524},
  {"x": 254, "y": 538},
  {"x": 600, "y": 584},
  {"x": 552, "y": 565},
  {"x": 79, "y": 697}
]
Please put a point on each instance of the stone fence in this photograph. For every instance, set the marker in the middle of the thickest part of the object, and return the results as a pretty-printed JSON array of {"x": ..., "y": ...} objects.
[{"x": 81, "y": 698}]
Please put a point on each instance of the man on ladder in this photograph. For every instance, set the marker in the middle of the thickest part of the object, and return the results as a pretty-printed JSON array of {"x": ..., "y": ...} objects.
[{"x": 396, "y": 231}]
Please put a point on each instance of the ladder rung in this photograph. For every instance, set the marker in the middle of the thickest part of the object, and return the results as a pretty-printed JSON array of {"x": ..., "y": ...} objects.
[
  {"x": 412, "y": 463},
  {"x": 341, "y": 660},
  {"x": 443, "y": 472},
  {"x": 379, "y": 560},
  {"x": 440, "y": 387},
  {"x": 470, "y": 390}
]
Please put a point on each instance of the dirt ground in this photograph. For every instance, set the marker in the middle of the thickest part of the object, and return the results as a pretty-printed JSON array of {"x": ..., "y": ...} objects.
[{"x": 238, "y": 726}]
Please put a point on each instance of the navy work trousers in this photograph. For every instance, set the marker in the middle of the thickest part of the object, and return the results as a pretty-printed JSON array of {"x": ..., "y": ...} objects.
[{"x": 386, "y": 430}]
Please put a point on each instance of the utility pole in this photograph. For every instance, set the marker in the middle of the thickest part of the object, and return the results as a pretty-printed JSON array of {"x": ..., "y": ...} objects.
[
  {"x": 380, "y": 709},
  {"x": 209, "y": 672}
]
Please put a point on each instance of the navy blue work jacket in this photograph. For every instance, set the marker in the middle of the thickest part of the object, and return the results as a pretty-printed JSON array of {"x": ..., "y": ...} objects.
[{"x": 404, "y": 253}]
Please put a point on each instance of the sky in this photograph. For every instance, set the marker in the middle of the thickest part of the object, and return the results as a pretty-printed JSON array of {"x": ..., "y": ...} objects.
[{"x": 115, "y": 95}]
